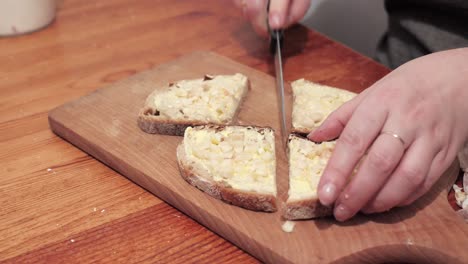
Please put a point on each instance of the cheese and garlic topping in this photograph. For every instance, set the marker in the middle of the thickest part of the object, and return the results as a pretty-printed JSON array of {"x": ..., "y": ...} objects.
[
  {"x": 212, "y": 99},
  {"x": 314, "y": 102},
  {"x": 240, "y": 157},
  {"x": 307, "y": 160}
]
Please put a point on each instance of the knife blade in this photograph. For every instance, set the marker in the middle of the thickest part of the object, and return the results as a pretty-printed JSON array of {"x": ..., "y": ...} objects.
[{"x": 276, "y": 41}]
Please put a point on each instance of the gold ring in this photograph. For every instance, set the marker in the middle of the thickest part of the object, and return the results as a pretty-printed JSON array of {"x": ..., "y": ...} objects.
[{"x": 395, "y": 136}]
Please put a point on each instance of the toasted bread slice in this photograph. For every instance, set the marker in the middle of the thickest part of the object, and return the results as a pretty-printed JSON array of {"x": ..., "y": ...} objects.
[
  {"x": 312, "y": 103},
  {"x": 236, "y": 164},
  {"x": 307, "y": 160},
  {"x": 209, "y": 100}
]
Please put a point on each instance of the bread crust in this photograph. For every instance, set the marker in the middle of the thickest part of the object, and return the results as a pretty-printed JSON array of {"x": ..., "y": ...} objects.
[
  {"x": 302, "y": 131},
  {"x": 305, "y": 209},
  {"x": 199, "y": 178},
  {"x": 152, "y": 124}
]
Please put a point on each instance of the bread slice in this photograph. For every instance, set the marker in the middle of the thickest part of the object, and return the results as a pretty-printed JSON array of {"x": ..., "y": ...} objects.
[
  {"x": 236, "y": 164},
  {"x": 307, "y": 160},
  {"x": 312, "y": 103},
  {"x": 208, "y": 100}
]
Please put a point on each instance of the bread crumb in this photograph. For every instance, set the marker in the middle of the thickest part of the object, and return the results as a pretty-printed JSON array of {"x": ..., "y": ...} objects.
[
  {"x": 288, "y": 226},
  {"x": 94, "y": 209},
  {"x": 409, "y": 242},
  {"x": 49, "y": 169},
  {"x": 72, "y": 240},
  {"x": 460, "y": 196},
  {"x": 103, "y": 210}
]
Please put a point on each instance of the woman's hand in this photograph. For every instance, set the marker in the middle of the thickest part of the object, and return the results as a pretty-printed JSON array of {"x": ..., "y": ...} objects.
[
  {"x": 407, "y": 128},
  {"x": 283, "y": 13}
]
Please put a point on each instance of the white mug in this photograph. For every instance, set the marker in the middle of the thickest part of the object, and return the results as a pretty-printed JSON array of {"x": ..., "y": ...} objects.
[{"x": 23, "y": 16}]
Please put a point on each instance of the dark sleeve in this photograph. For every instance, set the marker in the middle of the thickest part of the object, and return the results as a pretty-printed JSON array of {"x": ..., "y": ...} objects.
[{"x": 420, "y": 27}]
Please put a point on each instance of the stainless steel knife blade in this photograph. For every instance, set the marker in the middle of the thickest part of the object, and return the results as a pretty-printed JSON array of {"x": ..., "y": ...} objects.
[
  {"x": 280, "y": 87},
  {"x": 275, "y": 48},
  {"x": 276, "y": 42}
]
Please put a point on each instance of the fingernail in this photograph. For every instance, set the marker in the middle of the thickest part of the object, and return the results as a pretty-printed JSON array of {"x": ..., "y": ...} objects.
[
  {"x": 327, "y": 194},
  {"x": 314, "y": 133},
  {"x": 275, "y": 20},
  {"x": 341, "y": 213}
]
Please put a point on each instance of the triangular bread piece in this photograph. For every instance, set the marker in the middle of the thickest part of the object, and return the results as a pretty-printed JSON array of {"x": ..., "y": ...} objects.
[
  {"x": 209, "y": 100},
  {"x": 236, "y": 164},
  {"x": 307, "y": 160},
  {"x": 312, "y": 103}
]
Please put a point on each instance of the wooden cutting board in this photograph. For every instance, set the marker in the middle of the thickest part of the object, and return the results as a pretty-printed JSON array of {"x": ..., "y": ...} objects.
[{"x": 103, "y": 124}]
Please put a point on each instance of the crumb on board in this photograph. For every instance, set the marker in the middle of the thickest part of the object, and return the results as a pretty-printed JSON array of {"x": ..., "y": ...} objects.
[
  {"x": 72, "y": 240},
  {"x": 460, "y": 196},
  {"x": 288, "y": 226},
  {"x": 409, "y": 242}
]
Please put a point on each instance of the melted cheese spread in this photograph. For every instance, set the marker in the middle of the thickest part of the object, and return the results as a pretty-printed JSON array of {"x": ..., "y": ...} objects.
[
  {"x": 314, "y": 102},
  {"x": 240, "y": 157},
  {"x": 307, "y": 160},
  {"x": 208, "y": 100}
]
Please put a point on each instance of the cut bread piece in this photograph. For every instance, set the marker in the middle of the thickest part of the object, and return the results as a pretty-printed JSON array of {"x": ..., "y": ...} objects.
[
  {"x": 208, "y": 100},
  {"x": 312, "y": 103},
  {"x": 307, "y": 160},
  {"x": 236, "y": 164}
]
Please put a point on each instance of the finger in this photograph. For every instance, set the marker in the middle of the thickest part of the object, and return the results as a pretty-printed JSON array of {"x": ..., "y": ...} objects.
[
  {"x": 361, "y": 130},
  {"x": 279, "y": 10},
  {"x": 407, "y": 178},
  {"x": 297, "y": 10},
  {"x": 257, "y": 14},
  {"x": 432, "y": 178},
  {"x": 437, "y": 168},
  {"x": 334, "y": 124},
  {"x": 382, "y": 159}
]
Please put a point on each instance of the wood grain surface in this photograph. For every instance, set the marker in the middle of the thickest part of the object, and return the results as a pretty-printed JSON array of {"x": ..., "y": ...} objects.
[
  {"x": 58, "y": 204},
  {"x": 103, "y": 124}
]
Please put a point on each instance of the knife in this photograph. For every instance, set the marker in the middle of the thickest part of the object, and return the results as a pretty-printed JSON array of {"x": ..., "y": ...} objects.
[{"x": 276, "y": 41}]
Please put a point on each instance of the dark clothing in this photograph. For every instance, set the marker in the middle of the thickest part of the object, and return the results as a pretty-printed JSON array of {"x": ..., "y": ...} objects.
[{"x": 420, "y": 27}]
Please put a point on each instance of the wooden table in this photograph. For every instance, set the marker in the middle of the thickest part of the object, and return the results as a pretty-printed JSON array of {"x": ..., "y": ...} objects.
[{"x": 60, "y": 205}]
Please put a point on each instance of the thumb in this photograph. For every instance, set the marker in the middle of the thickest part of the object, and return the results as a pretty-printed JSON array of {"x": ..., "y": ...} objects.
[{"x": 332, "y": 127}]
